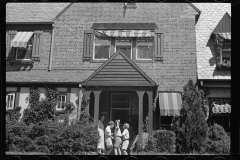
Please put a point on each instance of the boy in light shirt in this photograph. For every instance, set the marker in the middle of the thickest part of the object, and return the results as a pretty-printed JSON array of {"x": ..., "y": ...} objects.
[
  {"x": 125, "y": 136},
  {"x": 118, "y": 139},
  {"x": 109, "y": 137}
]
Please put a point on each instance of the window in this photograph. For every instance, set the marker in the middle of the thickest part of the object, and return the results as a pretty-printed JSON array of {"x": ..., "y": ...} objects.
[
  {"x": 165, "y": 122},
  {"x": 136, "y": 44},
  {"x": 23, "y": 46},
  {"x": 62, "y": 100},
  {"x": 144, "y": 48},
  {"x": 222, "y": 119},
  {"x": 25, "y": 53},
  {"x": 10, "y": 98},
  {"x": 124, "y": 44},
  {"x": 101, "y": 48},
  {"x": 226, "y": 45}
]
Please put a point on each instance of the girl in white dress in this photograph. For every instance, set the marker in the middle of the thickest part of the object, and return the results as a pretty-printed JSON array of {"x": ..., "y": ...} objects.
[
  {"x": 125, "y": 137},
  {"x": 101, "y": 146}
]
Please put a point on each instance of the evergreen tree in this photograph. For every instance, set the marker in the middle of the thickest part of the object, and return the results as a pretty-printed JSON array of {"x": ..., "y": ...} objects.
[{"x": 191, "y": 127}]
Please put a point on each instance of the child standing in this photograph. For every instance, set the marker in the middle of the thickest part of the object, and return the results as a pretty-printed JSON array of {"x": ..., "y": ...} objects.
[
  {"x": 109, "y": 137},
  {"x": 125, "y": 136},
  {"x": 118, "y": 140}
]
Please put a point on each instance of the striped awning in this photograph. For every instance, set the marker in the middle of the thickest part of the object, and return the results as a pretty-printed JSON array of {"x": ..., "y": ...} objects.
[
  {"x": 125, "y": 33},
  {"x": 21, "y": 39},
  {"x": 224, "y": 108},
  {"x": 224, "y": 35},
  {"x": 170, "y": 104}
]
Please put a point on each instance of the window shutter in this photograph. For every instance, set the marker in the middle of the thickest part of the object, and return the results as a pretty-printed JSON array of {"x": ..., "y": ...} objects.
[
  {"x": 10, "y": 51},
  {"x": 17, "y": 99},
  {"x": 158, "y": 45},
  {"x": 37, "y": 45},
  {"x": 68, "y": 97},
  {"x": 88, "y": 44}
]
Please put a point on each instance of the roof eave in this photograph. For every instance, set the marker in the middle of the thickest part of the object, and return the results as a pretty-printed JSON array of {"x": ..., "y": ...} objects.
[{"x": 17, "y": 23}]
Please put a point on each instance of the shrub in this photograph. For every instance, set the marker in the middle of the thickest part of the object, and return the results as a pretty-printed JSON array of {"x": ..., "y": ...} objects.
[
  {"x": 13, "y": 114},
  {"x": 43, "y": 149},
  {"x": 191, "y": 127},
  {"x": 218, "y": 141},
  {"x": 162, "y": 141}
]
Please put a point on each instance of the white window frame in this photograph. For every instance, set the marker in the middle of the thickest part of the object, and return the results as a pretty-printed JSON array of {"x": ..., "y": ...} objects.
[
  {"x": 121, "y": 44},
  {"x": 100, "y": 45},
  {"x": 147, "y": 44},
  {"x": 8, "y": 101},
  {"x": 32, "y": 39},
  {"x": 59, "y": 104}
]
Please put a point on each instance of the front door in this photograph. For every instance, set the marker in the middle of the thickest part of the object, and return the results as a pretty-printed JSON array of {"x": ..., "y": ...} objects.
[{"x": 120, "y": 107}]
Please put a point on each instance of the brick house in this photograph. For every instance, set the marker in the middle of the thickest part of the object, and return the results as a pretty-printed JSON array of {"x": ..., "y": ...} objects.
[
  {"x": 128, "y": 59},
  {"x": 213, "y": 40}
]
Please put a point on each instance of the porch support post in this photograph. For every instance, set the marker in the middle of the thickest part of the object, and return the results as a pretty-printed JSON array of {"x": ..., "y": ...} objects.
[
  {"x": 150, "y": 112},
  {"x": 80, "y": 95},
  {"x": 140, "y": 115},
  {"x": 87, "y": 96},
  {"x": 96, "y": 105}
]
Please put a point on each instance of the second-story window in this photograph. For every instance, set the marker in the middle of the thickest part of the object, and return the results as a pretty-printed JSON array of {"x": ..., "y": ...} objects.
[
  {"x": 25, "y": 53},
  {"x": 124, "y": 44},
  {"x": 144, "y": 48},
  {"x": 101, "y": 47}
]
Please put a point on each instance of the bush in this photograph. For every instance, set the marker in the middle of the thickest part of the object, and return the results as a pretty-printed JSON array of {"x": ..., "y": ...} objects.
[
  {"x": 162, "y": 141},
  {"x": 191, "y": 127},
  {"x": 218, "y": 141},
  {"x": 43, "y": 149}
]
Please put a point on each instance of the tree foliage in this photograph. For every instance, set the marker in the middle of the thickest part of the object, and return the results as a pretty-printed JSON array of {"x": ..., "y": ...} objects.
[{"x": 191, "y": 127}]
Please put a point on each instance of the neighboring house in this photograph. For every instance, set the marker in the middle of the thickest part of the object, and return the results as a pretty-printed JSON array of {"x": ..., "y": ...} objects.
[
  {"x": 129, "y": 59},
  {"x": 213, "y": 38}
]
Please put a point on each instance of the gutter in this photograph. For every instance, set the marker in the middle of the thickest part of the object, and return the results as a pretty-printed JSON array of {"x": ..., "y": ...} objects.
[
  {"x": 19, "y": 23},
  {"x": 37, "y": 82},
  {"x": 51, "y": 52}
]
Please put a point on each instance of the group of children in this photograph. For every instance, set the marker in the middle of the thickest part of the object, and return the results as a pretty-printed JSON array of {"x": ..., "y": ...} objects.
[{"x": 121, "y": 140}]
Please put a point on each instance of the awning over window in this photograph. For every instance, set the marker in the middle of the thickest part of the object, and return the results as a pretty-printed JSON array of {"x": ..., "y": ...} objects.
[
  {"x": 224, "y": 35},
  {"x": 217, "y": 109},
  {"x": 170, "y": 104},
  {"x": 21, "y": 39},
  {"x": 125, "y": 33}
]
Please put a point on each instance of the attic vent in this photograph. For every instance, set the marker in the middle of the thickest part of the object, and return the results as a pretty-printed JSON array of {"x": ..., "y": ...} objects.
[{"x": 130, "y": 5}]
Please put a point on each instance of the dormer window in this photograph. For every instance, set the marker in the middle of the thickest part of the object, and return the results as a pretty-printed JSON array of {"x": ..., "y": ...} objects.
[{"x": 223, "y": 48}]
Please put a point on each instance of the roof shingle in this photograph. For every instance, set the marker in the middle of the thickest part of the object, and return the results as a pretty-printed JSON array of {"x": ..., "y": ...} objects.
[{"x": 33, "y": 12}]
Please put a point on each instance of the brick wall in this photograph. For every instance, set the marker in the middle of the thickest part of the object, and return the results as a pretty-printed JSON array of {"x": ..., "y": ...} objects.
[{"x": 179, "y": 63}]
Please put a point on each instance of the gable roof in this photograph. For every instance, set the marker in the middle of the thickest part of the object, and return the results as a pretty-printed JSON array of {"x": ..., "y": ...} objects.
[
  {"x": 33, "y": 12},
  {"x": 119, "y": 70},
  {"x": 224, "y": 25}
]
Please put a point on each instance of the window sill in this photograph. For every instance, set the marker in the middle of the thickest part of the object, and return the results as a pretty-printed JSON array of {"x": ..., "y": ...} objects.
[
  {"x": 143, "y": 61},
  {"x": 18, "y": 62},
  {"x": 97, "y": 61}
]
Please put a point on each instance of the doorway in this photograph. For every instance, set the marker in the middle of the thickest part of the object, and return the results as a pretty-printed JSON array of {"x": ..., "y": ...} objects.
[{"x": 120, "y": 107}]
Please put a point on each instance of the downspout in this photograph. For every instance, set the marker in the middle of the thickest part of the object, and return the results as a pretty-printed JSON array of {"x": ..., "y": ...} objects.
[{"x": 51, "y": 52}]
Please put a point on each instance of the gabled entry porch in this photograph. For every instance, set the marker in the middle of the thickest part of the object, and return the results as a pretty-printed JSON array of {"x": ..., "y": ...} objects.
[{"x": 119, "y": 89}]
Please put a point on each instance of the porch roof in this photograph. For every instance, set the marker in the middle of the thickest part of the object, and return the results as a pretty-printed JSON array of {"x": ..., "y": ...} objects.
[{"x": 119, "y": 70}]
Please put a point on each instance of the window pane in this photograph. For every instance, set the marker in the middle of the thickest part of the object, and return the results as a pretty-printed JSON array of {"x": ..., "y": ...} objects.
[
  {"x": 63, "y": 98},
  {"x": 125, "y": 49},
  {"x": 166, "y": 119},
  {"x": 102, "y": 40},
  {"x": 145, "y": 40},
  {"x": 145, "y": 52},
  {"x": 123, "y": 40},
  {"x": 120, "y": 104},
  {"x": 24, "y": 53},
  {"x": 102, "y": 52},
  {"x": 120, "y": 97}
]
